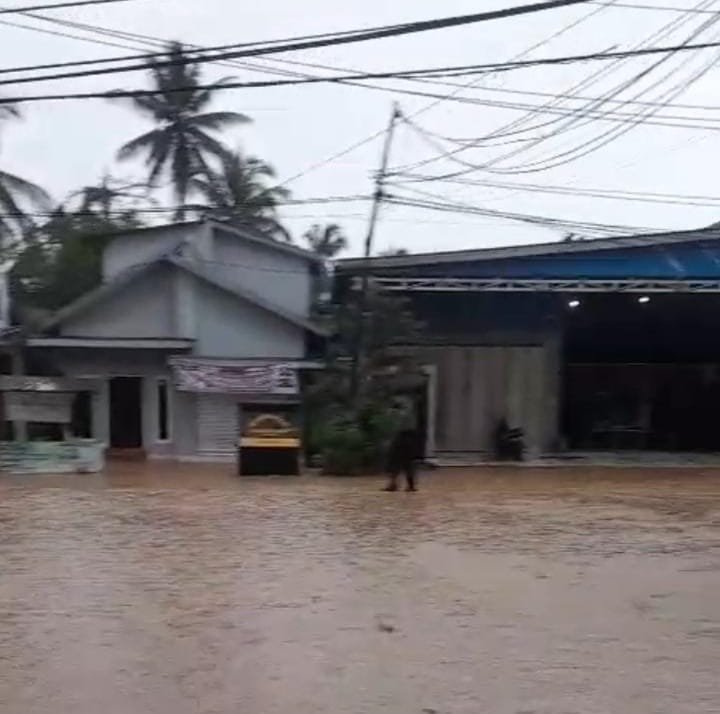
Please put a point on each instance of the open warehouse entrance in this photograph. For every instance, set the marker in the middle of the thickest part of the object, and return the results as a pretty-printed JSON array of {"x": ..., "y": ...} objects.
[{"x": 642, "y": 371}]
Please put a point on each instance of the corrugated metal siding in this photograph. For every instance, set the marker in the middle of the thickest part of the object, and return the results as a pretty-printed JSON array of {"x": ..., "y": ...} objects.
[{"x": 218, "y": 424}]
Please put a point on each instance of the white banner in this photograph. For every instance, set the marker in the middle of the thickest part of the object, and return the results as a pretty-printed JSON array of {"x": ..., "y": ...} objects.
[{"x": 272, "y": 379}]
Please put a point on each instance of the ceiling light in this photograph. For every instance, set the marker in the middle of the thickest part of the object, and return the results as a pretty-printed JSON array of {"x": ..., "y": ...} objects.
[
  {"x": 573, "y": 304},
  {"x": 643, "y": 299}
]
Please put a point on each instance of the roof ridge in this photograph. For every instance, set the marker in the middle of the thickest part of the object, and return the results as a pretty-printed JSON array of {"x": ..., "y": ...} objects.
[
  {"x": 196, "y": 268},
  {"x": 249, "y": 234}
]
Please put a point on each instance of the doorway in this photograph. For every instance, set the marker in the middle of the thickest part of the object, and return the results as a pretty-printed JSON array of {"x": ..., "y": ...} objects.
[{"x": 126, "y": 413}]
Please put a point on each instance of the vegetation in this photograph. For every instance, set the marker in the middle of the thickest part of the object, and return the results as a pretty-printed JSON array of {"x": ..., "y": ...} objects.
[
  {"x": 61, "y": 259},
  {"x": 181, "y": 145},
  {"x": 15, "y": 192},
  {"x": 237, "y": 192},
  {"x": 352, "y": 428},
  {"x": 327, "y": 241}
]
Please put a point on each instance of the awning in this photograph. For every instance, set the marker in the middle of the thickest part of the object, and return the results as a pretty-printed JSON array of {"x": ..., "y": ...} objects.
[{"x": 272, "y": 379}]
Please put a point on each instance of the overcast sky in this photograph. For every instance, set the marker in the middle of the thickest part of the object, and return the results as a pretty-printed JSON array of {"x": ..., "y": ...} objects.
[{"x": 65, "y": 145}]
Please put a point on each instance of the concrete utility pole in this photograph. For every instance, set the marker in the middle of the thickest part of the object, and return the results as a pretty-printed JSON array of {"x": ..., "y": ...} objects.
[{"x": 378, "y": 196}]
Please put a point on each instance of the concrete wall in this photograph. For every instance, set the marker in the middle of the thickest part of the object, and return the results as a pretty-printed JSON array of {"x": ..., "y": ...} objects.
[
  {"x": 227, "y": 327},
  {"x": 145, "y": 246},
  {"x": 4, "y": 297},
  {"x": 149, "y": 365},
  {"x": 144, "y": 308},
  {"x": 479, "y": 385},
  {"x": 281, "y": 278}
]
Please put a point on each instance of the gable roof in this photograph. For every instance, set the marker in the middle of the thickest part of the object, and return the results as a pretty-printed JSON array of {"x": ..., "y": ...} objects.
[
  {"x": 351, "y": 265},
  {"x": 245, "y": 232},
  {"x": 210, "y": 276},
  {"x": 207, "y": 275},
  {"x": 254, "y": 236}
]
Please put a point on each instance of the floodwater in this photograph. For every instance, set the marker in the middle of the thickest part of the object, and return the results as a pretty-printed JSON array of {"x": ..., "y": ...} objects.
[{"x": 162, "y": 590}]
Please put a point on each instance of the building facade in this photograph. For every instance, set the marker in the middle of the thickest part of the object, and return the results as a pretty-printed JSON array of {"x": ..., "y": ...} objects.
[
  {"x": 194, "y": 325},
  {"x": 587, "y": 345}
]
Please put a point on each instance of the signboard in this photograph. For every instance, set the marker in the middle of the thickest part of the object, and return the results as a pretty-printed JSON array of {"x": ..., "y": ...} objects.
[
  {"x": 270, "y": 431},
  {"x": 26, "y": 383},
  {"x": 270, "y": 444},
  {"x": 270, "y": 379},
  {"x": 52, "y": 457},
  {"x": 42, "y": 407}
]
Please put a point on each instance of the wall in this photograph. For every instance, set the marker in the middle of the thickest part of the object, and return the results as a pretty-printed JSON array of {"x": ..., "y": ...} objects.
[
  {"x": 4, "y": 298},
  {"x": 228, "y": 327},
  {"x": 145, "y": 246},
  {"x": 479, "y": 385},
  {"x": 149, "y": 365},
  {"x": 143, "y": 308},
  {"x": 281, "y": 278}
]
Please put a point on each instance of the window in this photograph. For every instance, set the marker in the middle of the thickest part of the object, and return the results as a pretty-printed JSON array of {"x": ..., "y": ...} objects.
[{"x": 163, "y": 411}]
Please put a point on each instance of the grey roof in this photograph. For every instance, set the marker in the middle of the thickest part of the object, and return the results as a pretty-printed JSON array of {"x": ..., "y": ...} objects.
[
  {"x": 241, "y": 231},
  {"x": 210, "y": 276},
  {"x": 248, "y": 233},
  {"x": 555, "y": 248},
  {"x": 194, "y": 268}
]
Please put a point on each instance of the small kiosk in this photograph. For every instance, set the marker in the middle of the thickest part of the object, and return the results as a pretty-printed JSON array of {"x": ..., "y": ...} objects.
[{"x": 270, "y": 444}]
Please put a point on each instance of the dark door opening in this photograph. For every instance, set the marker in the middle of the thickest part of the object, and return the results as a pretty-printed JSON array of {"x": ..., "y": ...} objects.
[{"x": 125, "y": 413}]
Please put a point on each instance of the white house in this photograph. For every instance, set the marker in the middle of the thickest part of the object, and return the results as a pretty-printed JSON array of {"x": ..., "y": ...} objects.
[{"x": 193, "y": 323}]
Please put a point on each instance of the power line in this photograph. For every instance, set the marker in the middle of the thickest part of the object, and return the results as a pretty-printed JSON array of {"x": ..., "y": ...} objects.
[
  {"x": 637, "y": 6},
  {"x": 456, "y": 71},
  {"x": 580, "y": 192},
  {"x": 107, "y": 32},
  {"x": 57, "y": 6},
  {"x": 437, "y": 100},
  {"x": 160, "y": 210},
  {"x": 543, "y": 221},
  {"x": 596, "y": 141},
  {"x": 310, "y": 42},
  {"x": 577, "y": 113}
]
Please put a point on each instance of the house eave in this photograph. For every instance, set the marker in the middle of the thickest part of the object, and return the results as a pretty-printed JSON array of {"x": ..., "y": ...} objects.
[{"x": 133, "y": 343}]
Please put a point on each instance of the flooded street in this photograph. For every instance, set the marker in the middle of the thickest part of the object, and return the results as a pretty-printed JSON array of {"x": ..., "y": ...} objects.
[{"x": 164, "y": 590}]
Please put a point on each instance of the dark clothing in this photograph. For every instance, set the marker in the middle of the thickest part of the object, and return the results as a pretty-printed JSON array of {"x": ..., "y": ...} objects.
[{"x": 402, "y": 457}]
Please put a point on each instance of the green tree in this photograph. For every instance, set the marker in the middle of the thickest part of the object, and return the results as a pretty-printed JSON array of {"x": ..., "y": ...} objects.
[
  {"x": 103, "y": 198},
  {"x": 238, "y": 192},
  {"x": 327, "y": 241},
  {"x": 15, "y": 192},
  {"x": 390, "y": 252},
  {"x": 351, "y": 433},
  {"x": 181, "y": 144},
  {"x": 61, "y": 259}
]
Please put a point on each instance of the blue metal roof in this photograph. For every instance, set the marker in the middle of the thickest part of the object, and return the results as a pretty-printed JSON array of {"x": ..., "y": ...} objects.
[{"x": 670, "y": 261}]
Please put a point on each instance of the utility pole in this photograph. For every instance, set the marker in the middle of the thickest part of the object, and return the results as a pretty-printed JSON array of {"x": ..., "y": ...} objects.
[{"x": 378, "y": 196}]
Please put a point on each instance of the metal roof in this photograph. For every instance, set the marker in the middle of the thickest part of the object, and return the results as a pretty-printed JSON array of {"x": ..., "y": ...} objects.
[
  {"x": 194, "y": 268},
  {"x": 679, "y": 256}
]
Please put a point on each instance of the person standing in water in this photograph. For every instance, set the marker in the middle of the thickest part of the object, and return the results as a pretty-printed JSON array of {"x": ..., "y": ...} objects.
[{"x": 404, "y": 450}]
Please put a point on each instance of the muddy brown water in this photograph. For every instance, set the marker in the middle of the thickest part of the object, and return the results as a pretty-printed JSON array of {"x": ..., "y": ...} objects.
[{"x": 164, "y": 590}]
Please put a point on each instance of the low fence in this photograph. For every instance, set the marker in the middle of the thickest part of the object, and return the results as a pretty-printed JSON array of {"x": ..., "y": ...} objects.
[{"x": 52, "y": 457}]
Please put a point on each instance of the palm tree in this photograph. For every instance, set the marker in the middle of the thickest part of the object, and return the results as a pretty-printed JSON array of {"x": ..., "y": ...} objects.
[
  {"x": 390, "y": 252},
  {"x": 326, "y": 241},
  {"x": 103, "y": 197},
  {"x": 238, "y": 193},
  {"x": 180, "y": 145},
  {"x": 15, "y": 190}
]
